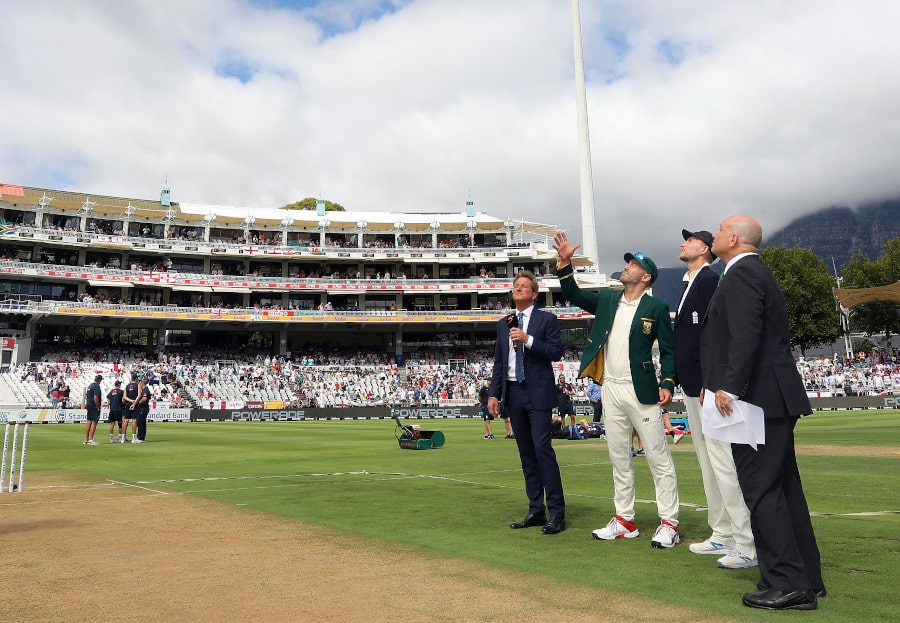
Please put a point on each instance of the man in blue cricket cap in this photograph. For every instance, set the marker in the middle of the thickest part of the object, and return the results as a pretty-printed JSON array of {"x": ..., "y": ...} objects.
[{"x": 619, "y": 355}]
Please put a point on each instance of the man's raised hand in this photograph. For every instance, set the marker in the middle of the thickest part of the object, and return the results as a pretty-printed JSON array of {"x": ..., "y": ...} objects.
[{"x": 563, "y": 248}]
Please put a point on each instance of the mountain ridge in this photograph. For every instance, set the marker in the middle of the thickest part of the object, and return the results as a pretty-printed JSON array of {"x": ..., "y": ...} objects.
[{"x": 834, "y": 234}]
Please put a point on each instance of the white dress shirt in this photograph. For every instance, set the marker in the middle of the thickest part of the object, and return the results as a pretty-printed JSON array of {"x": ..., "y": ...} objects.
[{"x": 511, "y": 358}]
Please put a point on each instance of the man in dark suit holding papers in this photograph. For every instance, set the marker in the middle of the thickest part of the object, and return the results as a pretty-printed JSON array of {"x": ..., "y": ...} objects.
[
  {"x": 745, "y": 354},
  {"x": 528, "y": 342}
]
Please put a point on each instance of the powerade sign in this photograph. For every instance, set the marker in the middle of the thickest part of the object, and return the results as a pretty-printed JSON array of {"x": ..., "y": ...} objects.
[
  {"x": 429, "y": 412},
  {"x": 352, "y": 413},
  {"x": 378, "y": 413},
  {"x": 269, "y": 415},
  {"x": 892, "y": 402}
]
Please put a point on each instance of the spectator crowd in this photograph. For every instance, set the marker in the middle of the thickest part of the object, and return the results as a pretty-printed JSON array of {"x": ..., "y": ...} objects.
[
  {"x": 865, "y": 374},
  {"x": 329, "y": 376}
]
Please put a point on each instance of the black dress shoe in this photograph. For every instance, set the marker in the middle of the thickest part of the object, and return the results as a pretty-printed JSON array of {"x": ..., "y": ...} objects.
[
  {"x": 556, "y": 525},
  {"x": 531, "y": 520},
  {"x": 762, "y": 585},
  {"x": 774, "y": 599}
]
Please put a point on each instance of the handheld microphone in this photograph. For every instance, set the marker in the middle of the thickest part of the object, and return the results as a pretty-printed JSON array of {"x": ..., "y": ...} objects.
[{"x": 512, "y": 321}]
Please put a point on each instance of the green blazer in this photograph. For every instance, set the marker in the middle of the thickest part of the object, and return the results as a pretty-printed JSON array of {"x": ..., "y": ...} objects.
[{"x": 651, "y": 323}]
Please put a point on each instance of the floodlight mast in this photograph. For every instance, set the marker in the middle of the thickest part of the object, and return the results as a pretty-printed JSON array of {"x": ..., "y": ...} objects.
[
  {"x": 588, "y": 219},
  {"x": 844, "y": 314}
]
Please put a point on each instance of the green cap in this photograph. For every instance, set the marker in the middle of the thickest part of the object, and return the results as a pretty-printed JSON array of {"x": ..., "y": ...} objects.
[{"x": 648, "y": 264}]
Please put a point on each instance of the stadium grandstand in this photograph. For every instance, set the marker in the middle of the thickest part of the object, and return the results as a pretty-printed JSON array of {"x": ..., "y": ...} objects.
[{"x": 260, "y": 305}]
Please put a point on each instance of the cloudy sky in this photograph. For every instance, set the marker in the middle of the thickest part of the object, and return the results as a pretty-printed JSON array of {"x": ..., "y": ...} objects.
[{"x": 698, "y": 108}]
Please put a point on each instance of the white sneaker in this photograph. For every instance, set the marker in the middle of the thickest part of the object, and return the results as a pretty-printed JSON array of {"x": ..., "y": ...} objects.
[
  {"x": 92, "y": 443},
  {"x": 121, "y": 438},
  {"x": 617, "y": 528},
  {"x": 709, "y": 547},
  {"x": 136, "y": 440},
  {"x": 735, "y": 559},
  {"x": 677, "y": 436},
  {"x": 666, "y": 536}
]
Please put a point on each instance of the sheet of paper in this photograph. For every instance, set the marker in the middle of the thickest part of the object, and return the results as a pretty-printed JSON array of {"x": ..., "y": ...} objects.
[{"x": 745, "y": 425}]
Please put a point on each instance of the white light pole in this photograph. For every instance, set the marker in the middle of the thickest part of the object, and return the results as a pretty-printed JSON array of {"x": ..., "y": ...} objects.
[
  {"x": 129, "y": 212},
  {"x": 86, "y": 208},
  {"x": 472, "y": 225},
  {"x": 208, "y": 218},
  {"x": 435, "y": 226},
  {"x": 167, "y": 220},
  {"x": 588, "y": 219},
  {"x": 324, "y": 224},
  {"x": 286, "y": 225},
  {"x": 510, "y": 228},
  {"x": 843, "y": 314},
  {"x": 248, "y": 221},
  {"x": 39, "y": 212}
]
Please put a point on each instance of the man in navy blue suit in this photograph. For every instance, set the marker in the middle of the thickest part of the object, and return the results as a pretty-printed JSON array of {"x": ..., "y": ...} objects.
[
  {"x": 528, "y": 342},
  {"x": 731, "y": 539}
]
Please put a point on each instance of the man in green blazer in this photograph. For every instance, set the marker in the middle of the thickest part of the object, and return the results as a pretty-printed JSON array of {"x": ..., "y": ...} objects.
[{"x": 618, "y": 355}]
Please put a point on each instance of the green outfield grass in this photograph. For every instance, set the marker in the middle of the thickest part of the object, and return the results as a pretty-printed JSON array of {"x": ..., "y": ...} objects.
[{"x": 459, "y": 499}]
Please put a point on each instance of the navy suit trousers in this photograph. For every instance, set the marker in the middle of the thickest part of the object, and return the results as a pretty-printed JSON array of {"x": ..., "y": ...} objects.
[{"x": 532, "y": 429}]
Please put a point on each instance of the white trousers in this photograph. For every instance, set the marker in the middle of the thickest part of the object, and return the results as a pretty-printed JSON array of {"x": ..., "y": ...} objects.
[
  {"x": 623, "y": 412},
  {"x": 728, "y": 515}
]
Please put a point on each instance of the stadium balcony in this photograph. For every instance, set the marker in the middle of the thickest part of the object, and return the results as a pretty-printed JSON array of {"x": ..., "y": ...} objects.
[
  {"x": 124, "y": 278},
  {"x": 129, "y": 271},
  {"x": 259, "y": 314},
  {"x": 204, "y": 248},
  {"x": 95, "y": 277}
]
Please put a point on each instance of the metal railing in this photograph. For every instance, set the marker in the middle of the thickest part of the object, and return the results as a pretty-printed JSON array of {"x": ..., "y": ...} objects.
[
  {"x": 254, "y": 313},
  {"x": 292, "y": 249}
]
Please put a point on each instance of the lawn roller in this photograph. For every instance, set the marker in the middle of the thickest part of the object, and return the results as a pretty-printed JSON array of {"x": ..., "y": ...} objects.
[{"x": 411, "y": 438}]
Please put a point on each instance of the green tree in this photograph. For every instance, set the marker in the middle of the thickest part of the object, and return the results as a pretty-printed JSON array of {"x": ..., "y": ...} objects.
[
  {"x": 310, "y": 204},
  {"x": 881, "y": 317},
  {"x": 807, "y": 287}
]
